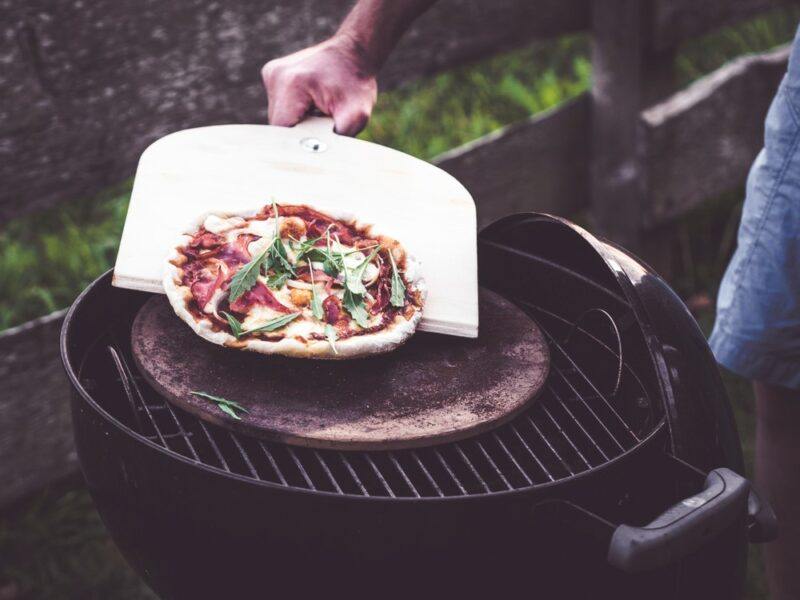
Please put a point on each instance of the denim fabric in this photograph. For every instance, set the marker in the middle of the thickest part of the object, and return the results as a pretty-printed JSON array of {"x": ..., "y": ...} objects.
[{"x": 757, "y": 331}]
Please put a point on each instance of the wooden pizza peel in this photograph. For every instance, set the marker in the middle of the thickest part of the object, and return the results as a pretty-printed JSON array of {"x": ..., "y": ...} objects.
[{"x": 243, "y": 167}]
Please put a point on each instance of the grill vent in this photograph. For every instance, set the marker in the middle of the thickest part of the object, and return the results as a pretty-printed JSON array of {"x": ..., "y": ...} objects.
[{"x": 575, "y": 425}]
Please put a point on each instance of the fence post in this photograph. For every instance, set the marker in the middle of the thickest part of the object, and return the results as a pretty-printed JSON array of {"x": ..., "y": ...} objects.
[{"x": 627, "y": 76}]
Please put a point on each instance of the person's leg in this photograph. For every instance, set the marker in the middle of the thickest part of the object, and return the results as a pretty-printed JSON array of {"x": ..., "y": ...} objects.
[{"x": 778, "y": 478}]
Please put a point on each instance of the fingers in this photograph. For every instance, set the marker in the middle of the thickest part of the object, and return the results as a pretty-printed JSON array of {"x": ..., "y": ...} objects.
[
  {"x": 316, "y": 78},
  {"x": 350, "y": 119},
  {"x": 288, "y": 99},
  {"x": 351, "y": 113},
  {"x": 287, "y": 110}
]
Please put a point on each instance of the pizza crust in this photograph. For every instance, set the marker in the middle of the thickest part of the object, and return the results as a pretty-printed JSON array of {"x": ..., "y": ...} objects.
[{"x": 385, "y": 340}]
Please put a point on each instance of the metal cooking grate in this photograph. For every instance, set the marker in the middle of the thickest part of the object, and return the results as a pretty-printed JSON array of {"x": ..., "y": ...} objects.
[{"x": 575, "y": 425}]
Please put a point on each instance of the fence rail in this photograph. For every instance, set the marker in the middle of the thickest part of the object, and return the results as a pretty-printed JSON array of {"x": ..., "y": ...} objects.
[
  {"x": 86, "y": 86},
  {"x": 698, "y": 143}
]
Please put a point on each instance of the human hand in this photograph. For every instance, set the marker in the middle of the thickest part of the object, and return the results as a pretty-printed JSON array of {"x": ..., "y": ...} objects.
[{"x": 335, "y": 77}]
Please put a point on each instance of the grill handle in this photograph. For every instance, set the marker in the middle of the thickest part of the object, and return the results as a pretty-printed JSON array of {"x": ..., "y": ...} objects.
[
  {"x": 762, "y": 525},
  {"x": 687, "y": 525}
]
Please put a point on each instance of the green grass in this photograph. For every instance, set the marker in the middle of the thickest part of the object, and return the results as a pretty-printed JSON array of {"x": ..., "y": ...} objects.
[
  {"x": 54, "y": 546},
  {"x": 48, "y": 257},
  {"x": 431, "y": 116}
]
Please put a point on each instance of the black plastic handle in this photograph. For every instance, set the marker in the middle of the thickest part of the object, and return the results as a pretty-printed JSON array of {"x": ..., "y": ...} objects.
[
  {"x": 762, "y": 524},
  {"x": 682, "y": 528}
]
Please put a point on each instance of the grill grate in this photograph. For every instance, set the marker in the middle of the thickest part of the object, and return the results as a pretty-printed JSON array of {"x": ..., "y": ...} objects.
[{"x": 571, "y": 428}]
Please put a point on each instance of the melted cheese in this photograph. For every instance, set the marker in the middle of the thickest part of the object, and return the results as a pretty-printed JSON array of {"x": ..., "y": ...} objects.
[
  {"x": 216, "y": 224},
  {"x": 261, "y": 227},
  {"x": 212, "y": 306}
]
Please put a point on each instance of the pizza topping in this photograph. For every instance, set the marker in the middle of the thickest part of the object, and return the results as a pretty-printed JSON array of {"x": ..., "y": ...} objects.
[
  {"x": 300, "y": 297},
  {"x": 205, "y": 240},
  {"x": 246, "y": 277},
  {"x": 216, "y": 224},
  {"x": 237, "y": 252},
  {"x": 238, "y": 330},
  {"x": 381, "y": 298},
  {"x": 354, "y": 303},
  {"x": 398, "y": 287},
  {"x": 274, "y": 324},
  {"x": 293, "y": 227},
  {"x": 260, "y": 295},
  {"x": 332, "y": 309},
  {"x": 277, "y": 281},
  {"x": 331, "y": 336},
  {"x": 316, "y": 304},
  {"x": 202, "y": 290},
  {"x": 270, "y": 271}
]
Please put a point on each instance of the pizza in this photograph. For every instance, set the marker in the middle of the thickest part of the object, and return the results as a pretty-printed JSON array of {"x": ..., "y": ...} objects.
[{"x": 296, "y": 281}]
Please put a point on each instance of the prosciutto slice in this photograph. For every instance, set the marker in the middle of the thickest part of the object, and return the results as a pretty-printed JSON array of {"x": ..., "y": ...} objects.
[
  {"x": 259, "y": 295},
  {"x": 205, "y": 284},
  {"x": 236, "y": 253}
]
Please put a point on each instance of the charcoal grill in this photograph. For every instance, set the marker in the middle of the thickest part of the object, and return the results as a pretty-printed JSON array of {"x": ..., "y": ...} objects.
[{"x": 621, "y": 478}]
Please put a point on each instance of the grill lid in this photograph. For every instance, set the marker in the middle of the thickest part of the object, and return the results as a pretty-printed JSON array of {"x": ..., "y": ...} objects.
[{"x": 699, "y": 417}]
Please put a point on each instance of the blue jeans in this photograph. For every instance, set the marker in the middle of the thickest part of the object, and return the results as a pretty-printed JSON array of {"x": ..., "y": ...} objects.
[{"x": 757, "y": 331}]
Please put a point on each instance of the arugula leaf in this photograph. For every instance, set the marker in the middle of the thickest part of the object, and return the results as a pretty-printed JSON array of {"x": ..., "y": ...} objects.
[
  {"x": 305, "y": 250},
  {"x": 226, "y": 406},
  {"x": 245, "y": 278},
  {"x": 277, "y": 281},
  {"x": 354, "y": 303},
  {"x": 355, "y": 287},
  {"x": 273, "y": 324},
  {"x": 279, "y": 257},
  {"x": 398, "y": 297},
  {"x": 330, "y": 333},
  {"x": 315, "y": 255},
  {"x": 227, "y": 409},
  {"x": 353, "y": 282},
  {"x": 234, "y": 324},
  {"x": 316, "y": 303},
  {"x": 331, "y": 264}
]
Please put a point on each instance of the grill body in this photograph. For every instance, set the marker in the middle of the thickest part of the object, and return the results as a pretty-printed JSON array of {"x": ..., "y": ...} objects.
[{"x": 201, "y": 513}]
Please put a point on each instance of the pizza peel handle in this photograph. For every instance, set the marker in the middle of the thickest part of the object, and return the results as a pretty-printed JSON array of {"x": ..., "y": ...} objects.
[
  {"x": 241, "y": 168},
  {"x": 315, "y": 125}
]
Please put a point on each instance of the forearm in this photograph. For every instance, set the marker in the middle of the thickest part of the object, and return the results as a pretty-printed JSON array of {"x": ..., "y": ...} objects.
[{"x": 375, "y": 26}]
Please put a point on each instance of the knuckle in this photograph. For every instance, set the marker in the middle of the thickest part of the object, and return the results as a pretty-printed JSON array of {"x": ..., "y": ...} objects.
[
  {"x": 270, "y": 71},
  {"x": 298, "y": 77}
]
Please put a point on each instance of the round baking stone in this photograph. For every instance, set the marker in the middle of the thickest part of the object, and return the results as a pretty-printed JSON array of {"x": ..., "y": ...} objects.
[{"x": 434, "y": 389}]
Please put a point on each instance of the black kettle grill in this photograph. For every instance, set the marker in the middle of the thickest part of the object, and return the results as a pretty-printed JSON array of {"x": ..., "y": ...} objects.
[{"x": 622, "y": 481}]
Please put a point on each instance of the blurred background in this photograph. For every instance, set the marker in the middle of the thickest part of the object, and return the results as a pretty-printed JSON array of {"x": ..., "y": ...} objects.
[{"x": 56, "y": 236}]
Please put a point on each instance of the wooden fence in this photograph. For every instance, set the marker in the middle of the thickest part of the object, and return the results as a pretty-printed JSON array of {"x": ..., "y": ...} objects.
[{"x": 85, "y": 87}]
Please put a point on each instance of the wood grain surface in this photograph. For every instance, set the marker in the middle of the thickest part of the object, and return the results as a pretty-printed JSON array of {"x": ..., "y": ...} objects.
[{"x": 234, "y": 168}]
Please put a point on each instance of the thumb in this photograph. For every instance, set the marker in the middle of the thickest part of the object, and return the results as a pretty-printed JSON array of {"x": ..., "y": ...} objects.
[{"x": 350, "y": 118}]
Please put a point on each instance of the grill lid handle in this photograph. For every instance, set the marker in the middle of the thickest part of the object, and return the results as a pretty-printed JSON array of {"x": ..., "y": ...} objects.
[
  {"x": 683, "y": 527},
  {"x": 762, "y": 523}
]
